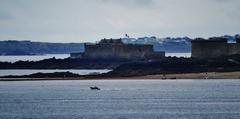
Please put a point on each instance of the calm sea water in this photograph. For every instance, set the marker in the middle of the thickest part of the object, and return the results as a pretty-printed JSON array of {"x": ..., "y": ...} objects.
[
  {"x": 121, "y": 99},
  {"x": 178, "y": 54}
]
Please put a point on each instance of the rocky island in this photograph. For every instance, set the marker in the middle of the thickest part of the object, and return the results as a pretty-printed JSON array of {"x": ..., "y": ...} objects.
[{"x": 211, "y": 58}]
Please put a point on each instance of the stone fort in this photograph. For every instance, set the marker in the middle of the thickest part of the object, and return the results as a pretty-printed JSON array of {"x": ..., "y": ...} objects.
[
  {"x": 214, "y": 47},
  {"x": 116, "y": 49}
]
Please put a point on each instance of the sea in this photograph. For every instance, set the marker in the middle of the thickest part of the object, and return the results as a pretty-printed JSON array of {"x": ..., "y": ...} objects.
[{"x": 120, "y": 99}]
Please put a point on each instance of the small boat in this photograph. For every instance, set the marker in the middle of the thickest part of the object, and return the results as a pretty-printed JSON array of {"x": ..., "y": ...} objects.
[{"x": 94, "y": 88}]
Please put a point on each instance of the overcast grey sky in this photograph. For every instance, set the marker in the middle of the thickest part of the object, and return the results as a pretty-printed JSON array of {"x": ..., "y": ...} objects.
[{"x": 91, "y": 20}]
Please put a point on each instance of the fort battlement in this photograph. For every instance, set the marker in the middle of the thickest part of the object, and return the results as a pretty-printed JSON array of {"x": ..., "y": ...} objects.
[
  {"x": 214, "y": 47},
  {"x": 116, "y": 49}
]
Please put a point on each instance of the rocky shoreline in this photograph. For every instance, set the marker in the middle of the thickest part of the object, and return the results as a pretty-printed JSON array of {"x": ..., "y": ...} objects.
[{"x": 166, "y": 68}]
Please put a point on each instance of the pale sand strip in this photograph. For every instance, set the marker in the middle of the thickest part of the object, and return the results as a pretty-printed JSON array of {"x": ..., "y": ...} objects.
[{"x": 208, "y": 75}]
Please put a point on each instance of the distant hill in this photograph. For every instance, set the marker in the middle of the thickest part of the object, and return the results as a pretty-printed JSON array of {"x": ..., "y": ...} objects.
[
  {"x": 13, "y": 47},
  {"x": 169, "y": 45},
  {"x": 228, "y": 37}
]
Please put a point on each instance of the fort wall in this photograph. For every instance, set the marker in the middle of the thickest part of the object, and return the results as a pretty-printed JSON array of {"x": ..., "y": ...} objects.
[
  {"x": 98, "y": 51},
  {"x": 234, "y": 48},
  {"x": 132, "y": 51},
  {"x": 115, "y": 49},
  {"x": 202, "y": 48}
]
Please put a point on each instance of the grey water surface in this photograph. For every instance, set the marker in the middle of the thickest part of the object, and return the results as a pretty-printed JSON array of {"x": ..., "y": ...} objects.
[{"x": 121, "y": 99}]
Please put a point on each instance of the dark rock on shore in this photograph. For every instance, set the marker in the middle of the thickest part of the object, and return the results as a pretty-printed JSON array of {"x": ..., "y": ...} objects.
[
  {"x": 67, "y": 63},
  {"x": 45, "y": 75},
  {"x": 177, "y": 65}
]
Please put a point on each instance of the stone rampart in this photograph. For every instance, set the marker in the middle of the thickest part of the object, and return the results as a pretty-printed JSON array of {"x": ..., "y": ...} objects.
[
  {"x": 114, "y": 49},
  {"x": 212, "y": 48}
]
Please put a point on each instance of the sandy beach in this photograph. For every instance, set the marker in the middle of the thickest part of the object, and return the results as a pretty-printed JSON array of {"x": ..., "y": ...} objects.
[{"x": 205, "y": 75}]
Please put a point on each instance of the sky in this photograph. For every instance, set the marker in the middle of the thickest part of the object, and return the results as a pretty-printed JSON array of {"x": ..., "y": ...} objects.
[{"x": 92, "y": 20}]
